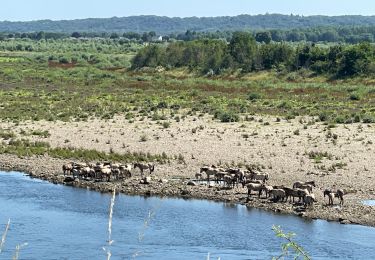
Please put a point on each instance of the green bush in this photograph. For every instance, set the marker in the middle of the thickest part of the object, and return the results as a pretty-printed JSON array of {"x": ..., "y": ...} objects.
[
  {"x": 354, "y": 96},
  {"x": 226, "y": 117},
  {"x": 254, "y": 96}
]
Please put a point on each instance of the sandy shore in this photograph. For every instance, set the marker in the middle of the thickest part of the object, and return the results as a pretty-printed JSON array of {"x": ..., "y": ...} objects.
[{"x": 282, "y": 149}]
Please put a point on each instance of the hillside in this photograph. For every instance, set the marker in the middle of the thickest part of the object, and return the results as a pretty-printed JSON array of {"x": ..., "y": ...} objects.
[{"x": 170, "y": 25}]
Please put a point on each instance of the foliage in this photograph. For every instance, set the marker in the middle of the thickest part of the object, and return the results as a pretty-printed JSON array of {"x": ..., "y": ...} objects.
[
  {"x": 24, "y": 147},
  {"x": 165, "y": 25},
  {"x": 290, "y": 245},
  {"x": 243, "y": 53},
  {"x": 199, "y": 77}
]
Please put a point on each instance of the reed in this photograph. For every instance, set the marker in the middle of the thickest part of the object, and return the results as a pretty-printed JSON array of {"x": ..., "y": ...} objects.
[
  {"x": 110, "y": 241},
  {"x": 18, "y": 249},
  {"x": 3, "y": 238},
  {"x": 146, "y": 224}
]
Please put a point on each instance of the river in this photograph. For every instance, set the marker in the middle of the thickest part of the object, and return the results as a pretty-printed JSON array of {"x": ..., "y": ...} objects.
[{"x": 60, "y": 222}]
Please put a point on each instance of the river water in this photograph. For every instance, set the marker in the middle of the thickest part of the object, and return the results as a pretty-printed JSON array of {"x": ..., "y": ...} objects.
[{"x": 60, "y": 222}]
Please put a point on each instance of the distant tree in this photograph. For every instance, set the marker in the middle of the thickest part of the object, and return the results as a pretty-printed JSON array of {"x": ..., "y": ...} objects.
[
  {"x": 295, "y": 36},
  {"x": 356, "y": 60},
  {"x": 76, "y": 35},
  {"x": 277, "y": 35},
  {"x": 146, "y": 37},
  {"x": 329, "y": 36},
  {"x": 242, "y": 47},
  {"x": 132, "y": 35},
  {"x": 40, "y": 35},
  {"x": 114, "y": 36},
  {"x": 263, "y": 37},
  {"x": 150, "y": 56}
]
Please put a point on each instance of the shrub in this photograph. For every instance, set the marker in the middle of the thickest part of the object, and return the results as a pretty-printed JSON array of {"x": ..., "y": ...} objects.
[
  {"x": 227, "y": 117},
  {"x": 323, "y": 117},
  {"x": 6, "y": 135},
  {"x": 63, "y": 60},
  {"x": 340, "y": 120},
  {"x": 368, "y": 120},
  {"x": 354, "y": 96},
  {"x": 162, "y": 104},
  {"x": 44, "y": 134},
  {"x": 143, "y": 138},
  {"x": 254, "y": 96},
  {"x": 166, "y": 124}
]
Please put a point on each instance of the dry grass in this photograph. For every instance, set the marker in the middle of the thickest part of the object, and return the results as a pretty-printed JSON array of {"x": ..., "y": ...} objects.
[
  {"x": 3, "y": 238},
  {"x": 110, "y": 241}
]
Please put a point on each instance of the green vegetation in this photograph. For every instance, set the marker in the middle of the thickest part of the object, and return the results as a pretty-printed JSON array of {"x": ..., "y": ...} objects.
[
  {"x": 216, "y": 57},
  {"x": 319, "y": 156},
  {"x": 24, "y": 147},
  {"x": 165, "y": 25},
  {"x": 81, "y": 79},
  {"x": 290, "y": 248}
]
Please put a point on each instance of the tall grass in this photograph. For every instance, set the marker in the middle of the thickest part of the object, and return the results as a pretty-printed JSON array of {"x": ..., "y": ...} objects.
[
  {"x": 110, "y": 241},
  {"x": 3, "y": 238},
  {"x": 24, "y": 147}
]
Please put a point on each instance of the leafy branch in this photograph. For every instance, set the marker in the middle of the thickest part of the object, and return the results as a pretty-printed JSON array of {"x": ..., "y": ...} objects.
[{"x": 299, "y": 252}]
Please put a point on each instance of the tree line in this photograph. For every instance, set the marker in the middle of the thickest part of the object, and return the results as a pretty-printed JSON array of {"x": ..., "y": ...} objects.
[
  {"x": 243, "y": 52},
  {"x": 318, "y": 34},
  {"x": 166, "y": 25}
]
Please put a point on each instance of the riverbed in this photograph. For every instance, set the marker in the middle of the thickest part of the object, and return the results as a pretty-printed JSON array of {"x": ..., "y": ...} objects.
[{"x": 60, "y": 222}]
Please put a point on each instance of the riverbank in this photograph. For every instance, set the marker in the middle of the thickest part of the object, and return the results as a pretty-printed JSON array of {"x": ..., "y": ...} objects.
[
  {"x": 44, "y": 168},
  {"x": 334, "y": 156}
]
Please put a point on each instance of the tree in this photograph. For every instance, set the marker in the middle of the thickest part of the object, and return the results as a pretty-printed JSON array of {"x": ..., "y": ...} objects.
[
  {"x": 76, "y": 35},
  {"x": 40, "y": 35},
  {"x": 114, "y": 36},
  {"x": 263, "y": 37},
  {"x": 329, "y": 36},
  {"x": 242, "y": 47},
  {"x": 356, "y": 60},
  {"x": 132, "y": 35},
  {"x": 150, "y": 56}
]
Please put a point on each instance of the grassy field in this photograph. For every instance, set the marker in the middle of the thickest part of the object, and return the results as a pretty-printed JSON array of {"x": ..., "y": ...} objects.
[{"x": 77, "y": 80}]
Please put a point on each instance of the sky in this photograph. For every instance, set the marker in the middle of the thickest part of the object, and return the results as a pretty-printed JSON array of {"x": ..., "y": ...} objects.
[{"x": 26, "y": 10}]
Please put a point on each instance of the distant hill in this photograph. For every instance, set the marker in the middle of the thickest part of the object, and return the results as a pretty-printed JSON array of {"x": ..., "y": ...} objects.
[{"x": 163, "y": 25}]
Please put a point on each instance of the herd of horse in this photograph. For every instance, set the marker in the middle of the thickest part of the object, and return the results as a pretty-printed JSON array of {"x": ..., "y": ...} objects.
[
  {"x": 105, "y": 171},
  {"x": 257, "y": 182},
  {"x": 253, "y": 180}
]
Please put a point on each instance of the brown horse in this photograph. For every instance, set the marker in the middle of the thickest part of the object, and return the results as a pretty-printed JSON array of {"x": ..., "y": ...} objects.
[
  {"x": 331, "y": 195},
  {"x": 144, "y": 166}
]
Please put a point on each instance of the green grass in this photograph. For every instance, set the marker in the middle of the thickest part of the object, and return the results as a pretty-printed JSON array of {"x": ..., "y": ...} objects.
[
  {"x": 98, "y": 84},
  {"x": 24, "y": 147}
]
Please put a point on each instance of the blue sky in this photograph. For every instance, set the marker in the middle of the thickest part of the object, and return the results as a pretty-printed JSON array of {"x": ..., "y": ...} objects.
[{"x": 25, "y": 10}]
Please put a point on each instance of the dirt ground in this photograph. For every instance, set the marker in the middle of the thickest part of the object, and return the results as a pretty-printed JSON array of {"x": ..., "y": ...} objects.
[{"x": 296, "y": 150}]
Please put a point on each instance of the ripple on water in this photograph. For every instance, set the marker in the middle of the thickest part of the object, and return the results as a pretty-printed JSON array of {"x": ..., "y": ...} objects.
[{"x": 69, "y": 223}]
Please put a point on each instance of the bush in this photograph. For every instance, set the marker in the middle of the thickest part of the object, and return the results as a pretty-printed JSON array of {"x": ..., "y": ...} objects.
[
  {"x": 354, "y": 96},
  {"x": 340, "y": 120},
  {"x": 323, "y": 117},
  {"x": 143, "y": 138},
  {"x": 368, "y": 120},
  {"x": 254, "y": 96},
  {"x": 166, "y": 124},
  {"x": 226, "y": 117},
  {"x": 64, "y": 60}
]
